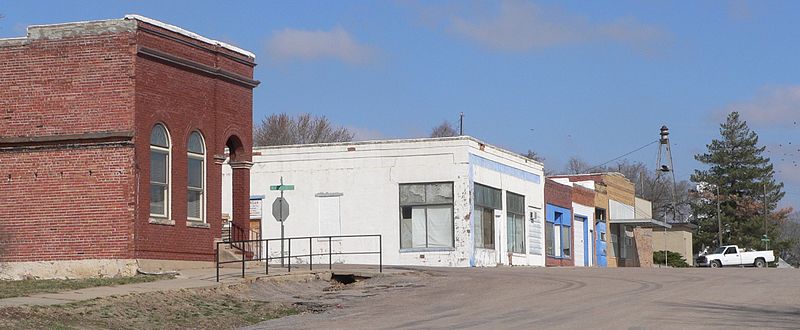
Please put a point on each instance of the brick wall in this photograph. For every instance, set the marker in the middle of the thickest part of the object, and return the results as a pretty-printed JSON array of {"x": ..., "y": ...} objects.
[
  {"x": 557, "y": 194},
  {"x": 61, "y": 204},
  {"x": 77, "y": 104},
  {"x": 67, "y": 86},
  {"x": 184, "y": 101},
  {"x": 66, "y": 192},
  {"x": 644, "y": 246},
  {"x": 583, "y": 196}
]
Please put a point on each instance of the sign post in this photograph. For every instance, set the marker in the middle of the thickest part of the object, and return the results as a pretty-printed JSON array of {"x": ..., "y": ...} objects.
[{"x": 280, "y": 209}]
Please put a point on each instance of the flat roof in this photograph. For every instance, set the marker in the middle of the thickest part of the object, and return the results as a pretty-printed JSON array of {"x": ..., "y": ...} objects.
[
  {"x": 109, "y": 23},
  {"x": 189, "y": 34},
  {"x": 398, "y": 141},
  {"x": 640, "y": 222}
]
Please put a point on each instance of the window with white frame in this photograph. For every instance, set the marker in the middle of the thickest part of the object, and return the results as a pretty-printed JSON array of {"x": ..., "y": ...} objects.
[
  {"x": 426, "y": 215},
  {"x": 550, "y": 238},
  {"x": 487, "y": 200},
  {"x": 515, "y": 206},
  {"x": 566, "y": 241},
  {"x": 159, "y": 172},
  {"x": 558, "y": 233},
  {"x": 196, "y": 170}
]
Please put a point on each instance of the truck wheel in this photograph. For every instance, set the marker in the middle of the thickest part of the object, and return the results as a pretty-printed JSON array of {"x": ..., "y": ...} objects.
[
  {"x": 715, "y": 264},
  {"x": 760, "y": 263}
]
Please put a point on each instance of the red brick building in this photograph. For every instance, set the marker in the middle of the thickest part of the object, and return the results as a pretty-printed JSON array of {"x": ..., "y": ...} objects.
[{"x": 113, "y": 136}]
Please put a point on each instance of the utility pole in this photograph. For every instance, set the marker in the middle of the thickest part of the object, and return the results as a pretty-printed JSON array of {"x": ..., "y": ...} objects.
[
  {"x": 460, "y": 123},
  {"x": 766, "y": 215},
  {"x": 719, "y": 218}
]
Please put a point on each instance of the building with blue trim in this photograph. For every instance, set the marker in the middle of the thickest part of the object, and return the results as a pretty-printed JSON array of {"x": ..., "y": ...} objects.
[{"x": 454, "y": 201}]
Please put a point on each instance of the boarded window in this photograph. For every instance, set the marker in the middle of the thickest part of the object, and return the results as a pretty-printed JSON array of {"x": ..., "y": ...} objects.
[{"x": 329, "y": 216}]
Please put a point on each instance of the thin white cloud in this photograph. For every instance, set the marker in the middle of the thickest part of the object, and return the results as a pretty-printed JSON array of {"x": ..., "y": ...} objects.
[
  {"x": 519, "y": 26},
  {"x": 774, "y": 105},
  {"x": 337, "y": 44}
]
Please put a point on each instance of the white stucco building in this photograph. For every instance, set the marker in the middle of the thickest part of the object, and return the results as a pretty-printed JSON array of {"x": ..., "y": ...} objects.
[{"x": 438, "y": 202}]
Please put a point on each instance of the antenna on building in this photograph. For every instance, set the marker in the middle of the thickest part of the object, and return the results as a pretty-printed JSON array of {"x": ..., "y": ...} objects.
[{"x": 664, "y": 165}]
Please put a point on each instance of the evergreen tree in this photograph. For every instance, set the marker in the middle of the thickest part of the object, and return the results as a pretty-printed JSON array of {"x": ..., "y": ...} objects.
[{"x": 736, "y": 166}]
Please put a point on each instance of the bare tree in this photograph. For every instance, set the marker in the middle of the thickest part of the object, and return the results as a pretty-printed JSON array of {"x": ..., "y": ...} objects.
[
  {"x": 648, "y": 186},
  {"x": 444, "y": 129},
  {"x": 576, "y": 165},
  {"x": 282, "y": 129},
  {"x": 657, "y": 189},
  {"x": 533, "y": 155}
]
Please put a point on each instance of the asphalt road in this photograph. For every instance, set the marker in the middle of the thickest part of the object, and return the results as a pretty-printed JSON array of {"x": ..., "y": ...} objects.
[{"x": 563, "y": 298}]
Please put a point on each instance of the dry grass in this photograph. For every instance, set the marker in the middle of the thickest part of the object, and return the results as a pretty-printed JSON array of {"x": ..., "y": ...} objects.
[
  {"x": 210, "y": 308},
  {"x": 22, "y": 288}
]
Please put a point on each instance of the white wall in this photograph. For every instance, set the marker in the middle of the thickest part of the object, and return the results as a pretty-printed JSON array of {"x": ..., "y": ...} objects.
[
  {"x": 588, "y": 212},
  {"x": 366, "y": 183},
  {"x": 496, "y": 174}
]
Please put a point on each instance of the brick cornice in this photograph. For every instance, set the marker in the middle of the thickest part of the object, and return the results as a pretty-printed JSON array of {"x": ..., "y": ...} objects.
[
  {"x": 187, "y": 64},
  {"x": 18, "y": 142}
]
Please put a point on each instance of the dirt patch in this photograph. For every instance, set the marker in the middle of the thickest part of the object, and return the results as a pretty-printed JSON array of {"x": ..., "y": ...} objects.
[
  {"x": 223, "y": 307},
  {"x": 313, "y": 293},
  {"x": 218, "y": 308}
]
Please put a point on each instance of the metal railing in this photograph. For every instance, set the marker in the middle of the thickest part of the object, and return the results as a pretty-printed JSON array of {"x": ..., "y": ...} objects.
[
  {"x": 288, "y": 256},
  {"x": 242, "y": 240}
]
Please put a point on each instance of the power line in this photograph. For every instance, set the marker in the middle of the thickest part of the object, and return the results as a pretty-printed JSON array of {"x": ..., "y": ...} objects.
[{"x": 637, "y": 149}]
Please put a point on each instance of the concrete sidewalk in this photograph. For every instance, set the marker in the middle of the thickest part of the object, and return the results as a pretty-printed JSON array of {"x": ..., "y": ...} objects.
[{"x": 187, "y": 279}]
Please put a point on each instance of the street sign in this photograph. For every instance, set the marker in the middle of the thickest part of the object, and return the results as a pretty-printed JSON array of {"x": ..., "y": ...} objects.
[
  {"x": 280, "y": 209},
  {"x": 282, "y": 187}
]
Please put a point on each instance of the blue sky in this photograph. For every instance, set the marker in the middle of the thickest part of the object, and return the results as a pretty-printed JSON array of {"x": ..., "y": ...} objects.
[{"x": 587, "y": 79}]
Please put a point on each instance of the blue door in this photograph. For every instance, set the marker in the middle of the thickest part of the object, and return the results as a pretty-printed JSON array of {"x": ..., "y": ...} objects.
[
  {"x": 600, "y": 247},
  {"x": 586, "y": 256}
]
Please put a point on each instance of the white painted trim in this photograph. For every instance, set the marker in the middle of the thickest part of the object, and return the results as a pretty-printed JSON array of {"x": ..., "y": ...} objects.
[
  {"x": 168, "y": 197},
  {"x": 203, "y": 175},
  {"x": 189, "y": 34}
]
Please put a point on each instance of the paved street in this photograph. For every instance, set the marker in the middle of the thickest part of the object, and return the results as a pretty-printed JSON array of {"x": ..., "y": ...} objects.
[{"x": 567, "y": 298}]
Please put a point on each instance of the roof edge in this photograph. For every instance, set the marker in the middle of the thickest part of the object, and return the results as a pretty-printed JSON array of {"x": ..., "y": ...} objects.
[
  {"x": 392, "y": 141},
  {"x": 190, "y": 34}
]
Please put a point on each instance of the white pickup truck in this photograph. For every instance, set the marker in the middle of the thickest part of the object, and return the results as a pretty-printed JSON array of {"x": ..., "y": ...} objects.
[{"x": 731, "y": 255}]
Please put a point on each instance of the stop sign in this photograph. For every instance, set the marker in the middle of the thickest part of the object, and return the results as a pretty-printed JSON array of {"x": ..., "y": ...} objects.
[{"x": 280, "y": 209}]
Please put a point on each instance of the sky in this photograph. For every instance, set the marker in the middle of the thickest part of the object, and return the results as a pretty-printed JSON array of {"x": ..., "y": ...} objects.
[{"x": 592, "y": 80}]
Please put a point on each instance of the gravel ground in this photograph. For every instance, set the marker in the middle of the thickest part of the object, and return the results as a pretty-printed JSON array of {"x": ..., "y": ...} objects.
[{"x": 549, "y": 298}]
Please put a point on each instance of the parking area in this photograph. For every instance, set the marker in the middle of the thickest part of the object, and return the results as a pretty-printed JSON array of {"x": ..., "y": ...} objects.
[{"x": 567, "y": 298}]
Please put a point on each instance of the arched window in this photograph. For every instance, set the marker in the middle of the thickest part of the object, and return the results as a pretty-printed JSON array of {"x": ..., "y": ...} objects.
[
  {"x": 197, "y": 178},
  {"x": 159, "y": 172}
]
